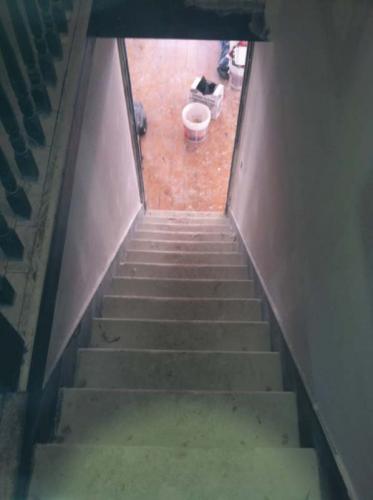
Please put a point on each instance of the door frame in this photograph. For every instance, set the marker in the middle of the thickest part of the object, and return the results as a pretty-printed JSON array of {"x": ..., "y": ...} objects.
[
  {"x": 239, "y": 126},
  {"x": 135, "y": 139},
  {"x": 132, "y": 121}
]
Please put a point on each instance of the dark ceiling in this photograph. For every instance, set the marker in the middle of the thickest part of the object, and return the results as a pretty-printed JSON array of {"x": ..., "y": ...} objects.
[{"x": 168, "y": 19}]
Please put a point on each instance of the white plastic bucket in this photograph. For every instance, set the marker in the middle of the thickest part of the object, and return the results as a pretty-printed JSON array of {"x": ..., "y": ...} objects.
[
  {"x": 196, "y": 119},
  {"x": 236, "y": 75}
]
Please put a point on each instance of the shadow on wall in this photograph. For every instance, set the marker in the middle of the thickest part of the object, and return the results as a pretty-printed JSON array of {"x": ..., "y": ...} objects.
[{"x": 366, "y": 223}]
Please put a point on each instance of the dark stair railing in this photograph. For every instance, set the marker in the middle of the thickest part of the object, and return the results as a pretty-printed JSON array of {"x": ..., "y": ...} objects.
[
  {"x": 31, "y": 120},
  {"x": 68, "y": 4},
  {"x": 59, "y": 16},
  {"x": 39, "y": 90},
  {"x": 22, "y": 154},
  {"x": 7, "y": 293},
  {"x": 51, "y": 33},
  {"x": 30, "y": 42},
  {"x": 10, "y": 244},
  {"x": 12, "y": 347},
  {"x": 44, "y": 55},
  {"x": 15, "y": 194}
]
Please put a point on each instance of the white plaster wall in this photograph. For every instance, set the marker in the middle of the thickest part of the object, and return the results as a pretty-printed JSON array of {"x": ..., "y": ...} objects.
[
  {"x": 303, "y": 198},
  {"x": 105, "y": 195}
]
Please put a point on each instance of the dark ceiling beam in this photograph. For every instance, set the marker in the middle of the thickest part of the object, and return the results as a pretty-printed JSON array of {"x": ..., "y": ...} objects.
[{"x": 170, "y": 19}]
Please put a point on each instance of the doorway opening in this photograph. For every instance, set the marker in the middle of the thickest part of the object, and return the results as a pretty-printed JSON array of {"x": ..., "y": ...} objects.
[{"x": 184, "y": 167}]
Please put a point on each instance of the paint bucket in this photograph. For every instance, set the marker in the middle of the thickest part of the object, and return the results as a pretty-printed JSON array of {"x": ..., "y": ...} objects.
[
  {"x": 236, "y": 75},
  {"x": 237, "y": 63},
  {"x": 196, "y": 120}
]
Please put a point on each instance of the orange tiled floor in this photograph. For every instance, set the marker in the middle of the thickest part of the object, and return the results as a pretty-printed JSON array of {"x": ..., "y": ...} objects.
[{"x": 178, "y": 175}]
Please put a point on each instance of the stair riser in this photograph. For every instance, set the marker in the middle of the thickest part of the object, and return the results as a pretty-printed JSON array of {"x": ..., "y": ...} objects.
[
  {"x": 178, "y": 419},
  {"x": 193, "y": 228},
  {"x": 187, "y": 236},
  {"x": 184, "y": 258},
  {"x": 183, "y": 288},
  {"x": 188, "y": 309},
  {"x": 168, "y": 370},
  {"x": 177, "y": 246},
  {"x": 127, "y": 334},
  {"x": 184, "y": 272}
]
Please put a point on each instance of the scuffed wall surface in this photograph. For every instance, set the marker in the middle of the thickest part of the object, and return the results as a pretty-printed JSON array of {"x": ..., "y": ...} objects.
[
  {"x": 302, "y": 198},
  {"x": 105, "y": 195}
]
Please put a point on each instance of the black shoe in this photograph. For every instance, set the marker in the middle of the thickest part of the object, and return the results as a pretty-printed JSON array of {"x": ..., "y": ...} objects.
[{"x": 223, "y": 73}]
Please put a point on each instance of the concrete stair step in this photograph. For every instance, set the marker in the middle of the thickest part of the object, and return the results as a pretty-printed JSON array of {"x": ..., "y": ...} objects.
[
  {"x": 184, "y": 236},
  {"x": 181, "y": 308},
  {"x": 156, "y": 287},
  {"x": 184, "y": 335},
  {"x": 184, "y": 246},
  {"x": 186, "y": 227},
  {"x": 182, "y": 214},
  {"x": 160, "y": 473},
  {"x": 178, "y": 370},
  {"x": 208, "y": 258},
  {"x": 185, "y": 220},
  {"x": 188, "y": 419},
  {"x": 175, "y": 271}
]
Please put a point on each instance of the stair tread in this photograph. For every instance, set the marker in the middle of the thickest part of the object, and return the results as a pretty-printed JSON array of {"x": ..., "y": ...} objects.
[
  {"x": 188, "y": 227},
  {"x": 185, "y": 213},
  {"x": 144, "y": 473},
  {"x": 134, "y": 239},
  {"x": 179, "y": 252},
  {"x": 209, "y": 258},
  {"x": 170, "y": 369},
  {"x": 185, "y": 221},
  {"x": 178, "y": 334},
  {"x": 178, "y": 396},
  {"x": 118, "y": 306},
  {"x": 182, "y": 245},
  {"x": 167, "y": 287},
  {"x": 188, "y": 300},
  {"x": 143, "y": 244},
  {"x": 188, "y": 266},
  {"x": 177, "y": 351},
  {"x": 159, "y": 270},
  {"x": 188, "y": 236},
  {"x": 182, "y": 280},
  {"x": 189, "y": 322},
  {"x": 173, "y": 418}
]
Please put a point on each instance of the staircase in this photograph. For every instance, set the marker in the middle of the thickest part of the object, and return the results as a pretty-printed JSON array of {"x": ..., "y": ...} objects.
[{"x": 179, "y": 396}]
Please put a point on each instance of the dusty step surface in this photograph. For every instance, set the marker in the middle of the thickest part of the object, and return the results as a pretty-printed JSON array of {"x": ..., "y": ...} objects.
[
  {"x": 177, "y": 227},
  {"x": 209, "y": 258},
  {"x": 160, "y": 473},
  {"x": 115, "y": 306},
  {"x": 185, "y": 220},
  {"x": 159, "y": 418},
  {"x": 143, "y": 270},
  {"x": 182, "y": 288},
  {"x": 183, "y": 246},
  {"x": 178, "y": 370},
  {"x": 185, "y": 213},
  {"x": 185, "y": 236},
  {"x": 184, "y": 335}
]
